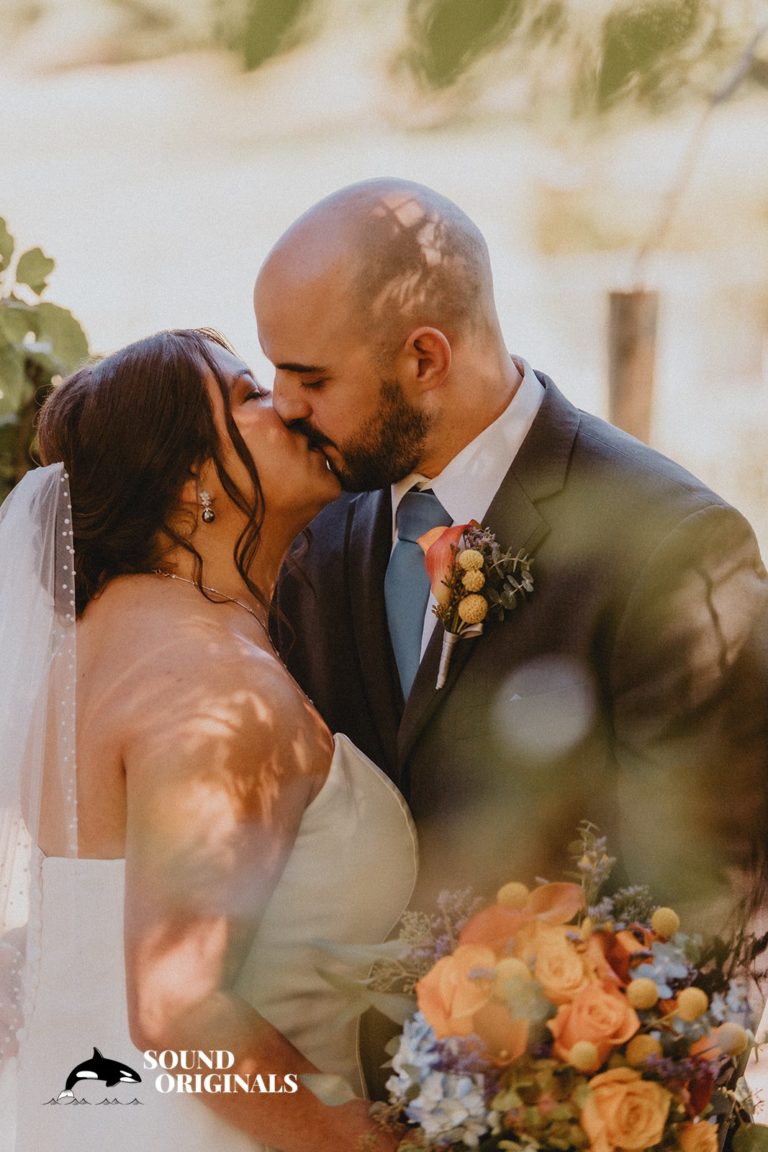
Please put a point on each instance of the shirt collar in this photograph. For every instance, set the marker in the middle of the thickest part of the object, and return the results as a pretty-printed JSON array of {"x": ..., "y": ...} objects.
[{"x": 469, "y": 482}]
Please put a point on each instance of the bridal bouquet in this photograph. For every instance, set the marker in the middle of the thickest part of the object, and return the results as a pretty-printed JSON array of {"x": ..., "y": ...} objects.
[{"x": 558, "y": 1018}]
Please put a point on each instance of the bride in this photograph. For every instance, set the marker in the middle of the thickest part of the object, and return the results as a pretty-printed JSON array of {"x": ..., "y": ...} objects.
[{"x": 164, "y": 900}]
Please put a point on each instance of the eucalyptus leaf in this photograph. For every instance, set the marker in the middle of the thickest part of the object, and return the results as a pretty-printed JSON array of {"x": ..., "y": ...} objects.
[
  {"x": 329, "y": 1089},
  {"x": 7, "y": 245},
  {"x": 342, "y": 983},
  {"x": 353, "y": 1011},
  {"x": 396, "y": 1006},
  {"x": 33, "y": 269},
  {"x": 69, "y": 344}
]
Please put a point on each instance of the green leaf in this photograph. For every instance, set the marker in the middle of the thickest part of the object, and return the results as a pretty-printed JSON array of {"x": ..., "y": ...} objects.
[
  {"x": 643, "y": 44},
  {"x": 329, "y": 1089},
  {"x": 751, "y": 1138},
  {"x": 450, "y": 35},
  {"x": 16, "y": 321},
  {"x": 58, "y": 327},
  {"x": 33, "y": 269},
  {"x": 7, "y": 244},
  {"x": 12, "y": 379},
  {"x": 269, "y": 27}
]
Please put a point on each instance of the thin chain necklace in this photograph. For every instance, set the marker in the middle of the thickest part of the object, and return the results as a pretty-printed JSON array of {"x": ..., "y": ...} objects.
[{"x": 216, "y": 592}]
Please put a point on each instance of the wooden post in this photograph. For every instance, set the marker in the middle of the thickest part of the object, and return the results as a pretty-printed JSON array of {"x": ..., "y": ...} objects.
[{"x": 632, "y": 353}]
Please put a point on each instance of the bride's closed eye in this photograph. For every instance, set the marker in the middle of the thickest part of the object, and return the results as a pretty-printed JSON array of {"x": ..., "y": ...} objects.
[{"x": 250, "y": 389}]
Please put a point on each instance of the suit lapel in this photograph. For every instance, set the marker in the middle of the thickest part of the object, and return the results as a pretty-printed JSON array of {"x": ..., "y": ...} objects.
[
  {"x": 368, "y": 550},
  {"x": 539, "y": 470}
]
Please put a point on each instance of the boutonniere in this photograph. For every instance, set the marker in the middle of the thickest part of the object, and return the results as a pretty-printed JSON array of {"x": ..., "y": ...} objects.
[{"x": 472, "y": 579}]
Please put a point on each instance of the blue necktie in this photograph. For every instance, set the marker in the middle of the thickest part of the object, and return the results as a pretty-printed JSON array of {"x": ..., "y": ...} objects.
[{"x": 406, "y": 584}]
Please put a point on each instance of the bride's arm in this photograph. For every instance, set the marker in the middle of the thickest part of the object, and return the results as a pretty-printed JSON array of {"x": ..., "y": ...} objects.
[{"x": 218, "y": 776}]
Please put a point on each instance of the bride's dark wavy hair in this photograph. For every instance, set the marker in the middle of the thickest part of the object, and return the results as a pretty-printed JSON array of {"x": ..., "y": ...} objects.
[{"x": 130, "y": 431}]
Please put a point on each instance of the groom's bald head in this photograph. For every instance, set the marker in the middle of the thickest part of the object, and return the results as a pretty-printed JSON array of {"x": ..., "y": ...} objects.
[
  {"x": 392, "y": 255},
  {"x": 376, "y": 309}
]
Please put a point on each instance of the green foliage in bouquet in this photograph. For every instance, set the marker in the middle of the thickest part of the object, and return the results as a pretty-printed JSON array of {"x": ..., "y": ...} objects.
[{"x": 39, "y": 342}]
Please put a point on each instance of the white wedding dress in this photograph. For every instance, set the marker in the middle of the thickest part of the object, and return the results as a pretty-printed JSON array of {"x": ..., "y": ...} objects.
[{"x": 348, "y": 878}]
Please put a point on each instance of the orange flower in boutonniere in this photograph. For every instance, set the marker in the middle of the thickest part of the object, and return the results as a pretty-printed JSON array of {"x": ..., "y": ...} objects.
[{"x": 472, "y": 578}]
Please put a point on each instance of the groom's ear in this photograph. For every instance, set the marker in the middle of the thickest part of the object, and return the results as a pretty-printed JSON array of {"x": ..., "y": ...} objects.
[{"x": 427, "y": 358}]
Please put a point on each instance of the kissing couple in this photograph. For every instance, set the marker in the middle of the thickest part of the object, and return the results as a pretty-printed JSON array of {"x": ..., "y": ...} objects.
[{"x": 221, "y": 725}]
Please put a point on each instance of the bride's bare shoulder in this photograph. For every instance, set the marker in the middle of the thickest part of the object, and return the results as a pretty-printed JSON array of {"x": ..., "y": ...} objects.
[{"x": 141, "y": 648}]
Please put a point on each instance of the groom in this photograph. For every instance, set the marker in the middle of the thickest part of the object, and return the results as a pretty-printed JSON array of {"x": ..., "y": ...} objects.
[{"x": 628, "y": 688}]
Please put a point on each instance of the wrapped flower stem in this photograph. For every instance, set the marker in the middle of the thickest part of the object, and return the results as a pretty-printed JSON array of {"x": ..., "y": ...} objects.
[{"x": 450, "y": 640}]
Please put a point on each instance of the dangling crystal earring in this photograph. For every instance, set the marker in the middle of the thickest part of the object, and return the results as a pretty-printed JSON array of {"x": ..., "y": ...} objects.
[{"x": 207, "y": 502}]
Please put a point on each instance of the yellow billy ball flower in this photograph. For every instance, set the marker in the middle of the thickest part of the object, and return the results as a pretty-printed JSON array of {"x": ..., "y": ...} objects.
[
  {"x": 470, "y": 560},
  {"x": 473, "y": 580},
  {"x": 643, "y": 993},
  {"x": 665, "y": 922},
  {"x": 692, "y": 1003},
  {"x": 513, "y": 895},
  {"x": 473, "y": 609},
  {"x": 642, "y": 1048},
  {"x": 584, "y": 1056},
  {"x": 731, "y": 1039},
  {"x": 509, "y": 969}
]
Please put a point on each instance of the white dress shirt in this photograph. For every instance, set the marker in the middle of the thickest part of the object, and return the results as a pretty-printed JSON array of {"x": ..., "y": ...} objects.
[{"x": 468, "y": 483}]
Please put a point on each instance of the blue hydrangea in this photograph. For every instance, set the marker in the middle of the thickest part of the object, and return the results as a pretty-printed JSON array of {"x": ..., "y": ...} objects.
[
  {"x": 417, "y": 1054},
  {"x": 667, "y": 966},
  {"x": 451, "y": 1108},
  {"x": 450, "y": 1105},
  {"x": 734, "y": 1006}
]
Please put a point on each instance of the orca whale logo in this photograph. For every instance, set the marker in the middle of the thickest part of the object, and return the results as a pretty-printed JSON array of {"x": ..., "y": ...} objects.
[{"x": 99, "y": 1068}]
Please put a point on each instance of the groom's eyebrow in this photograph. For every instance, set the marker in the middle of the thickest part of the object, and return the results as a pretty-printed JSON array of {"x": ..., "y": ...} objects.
[{"x": 315, "y": 369}]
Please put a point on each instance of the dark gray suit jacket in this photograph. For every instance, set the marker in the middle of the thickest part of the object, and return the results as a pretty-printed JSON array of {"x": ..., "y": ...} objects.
[{"x": 630, "y": 688}]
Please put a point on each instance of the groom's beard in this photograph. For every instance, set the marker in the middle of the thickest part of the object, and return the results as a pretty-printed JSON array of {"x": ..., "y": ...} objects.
[{"x": 387, "y": 447}]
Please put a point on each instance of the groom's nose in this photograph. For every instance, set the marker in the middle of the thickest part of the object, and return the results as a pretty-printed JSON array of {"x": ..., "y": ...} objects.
[{"x": 289, "y": 400}]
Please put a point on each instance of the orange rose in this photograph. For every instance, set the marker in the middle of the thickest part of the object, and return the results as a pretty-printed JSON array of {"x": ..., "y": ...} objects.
[
  {"x": 701, "y": 1137},
  {"x": 599, "y": 1013},
  {"x": 623, "y": 1111},
  {"x": 560, "y": 966},
  {"x": 451, "y": 992}
]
